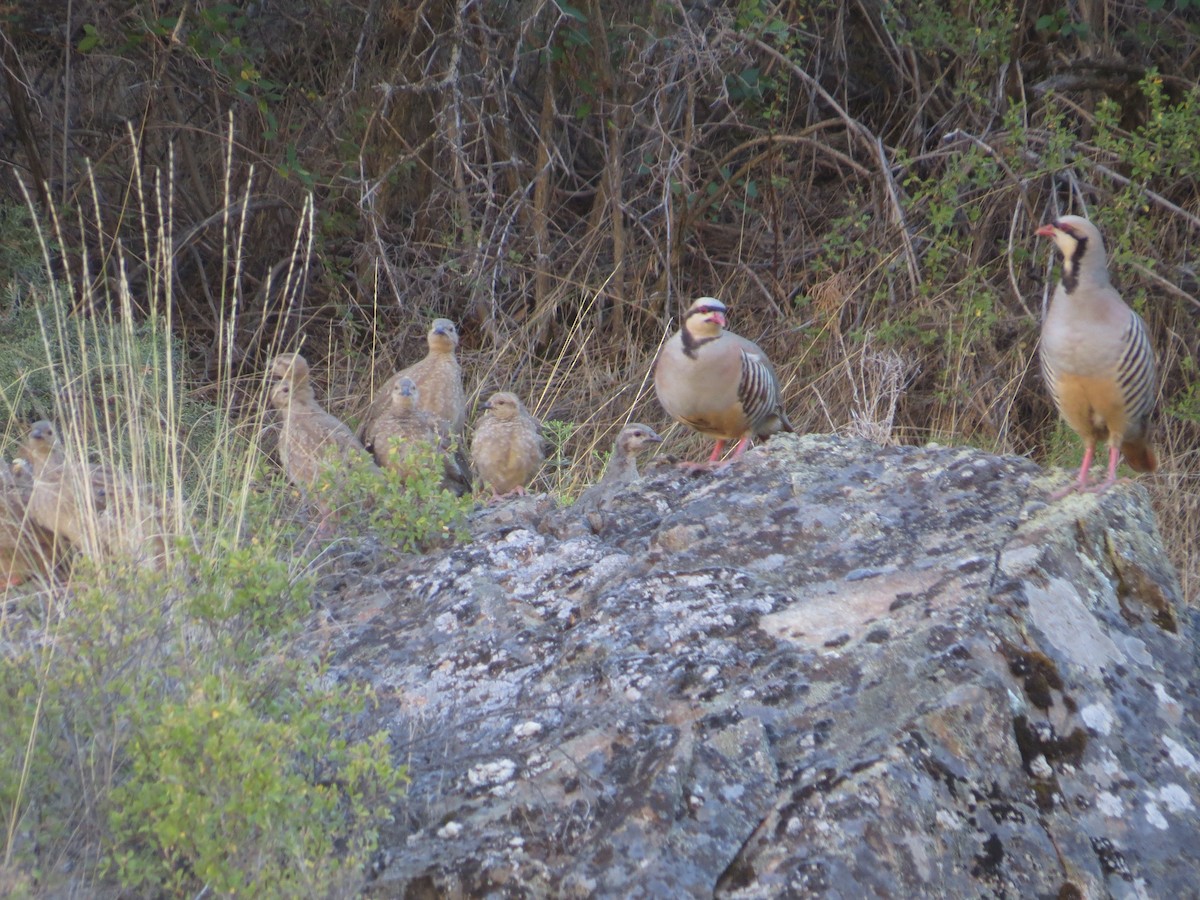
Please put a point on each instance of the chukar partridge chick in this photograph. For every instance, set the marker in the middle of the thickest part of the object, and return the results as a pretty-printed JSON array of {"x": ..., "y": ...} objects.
[
  {"x": 312, "y": 443},
  {"x": 93, "y": 508},
  {"x": 718, "y": 383},
  {"x": 622, "y": 465},
  {"x": 402, "y": 429},
  {"x": 438, "y": 379},
  {"x": 25, "y": 547},
  {"x": 506, "y": 449},
  {"x": 62, "y": 499},
  {"x": 1096, "y": 358}
]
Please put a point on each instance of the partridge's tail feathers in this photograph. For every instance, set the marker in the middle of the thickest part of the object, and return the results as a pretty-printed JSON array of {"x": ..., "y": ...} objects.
[{"x": 1140, "y": 456}]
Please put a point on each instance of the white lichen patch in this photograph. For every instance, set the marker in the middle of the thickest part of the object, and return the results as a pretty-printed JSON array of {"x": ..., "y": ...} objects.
[
  {"x": 1097, "y": 718},
  {"x": 948, "y": 820},
  {"x": 1110, "y": 805},
  {"x": 1061, "y": 613},
  {"x": 527, "y": 729},
  {"x": 1181, "y": 756},
  {"x": 450, "y": 830},
  {"x": 1175, "y": 798},
  {"x": 1040, "y": 768},
  {"x": 498, "y": 771},
  {"x": 1169, "y": 707},
  {"x": 1155, "y": 817}
]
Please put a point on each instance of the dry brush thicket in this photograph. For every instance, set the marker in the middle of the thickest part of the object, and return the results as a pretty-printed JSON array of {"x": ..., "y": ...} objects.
[{"x": 859, "y": 181}]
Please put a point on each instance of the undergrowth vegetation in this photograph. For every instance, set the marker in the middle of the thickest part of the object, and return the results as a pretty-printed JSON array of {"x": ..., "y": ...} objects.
[{"x": 860, "y": 183}]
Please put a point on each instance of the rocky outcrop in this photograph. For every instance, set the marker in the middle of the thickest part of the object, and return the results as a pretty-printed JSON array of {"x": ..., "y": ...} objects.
[{"x": 836, "y": 669}]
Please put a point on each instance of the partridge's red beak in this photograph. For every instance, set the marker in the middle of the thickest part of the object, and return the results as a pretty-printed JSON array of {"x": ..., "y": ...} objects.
[
  {"x": 1046, "y": 230},
  {"x": 717, "y": 317}
]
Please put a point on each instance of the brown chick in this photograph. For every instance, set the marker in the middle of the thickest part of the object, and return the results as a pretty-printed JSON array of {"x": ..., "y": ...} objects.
[
  {"x": 622, "y": 465},
  {"x": 25, "y": 547},
  {"x": 506, "y": 449},
  {"x": 312, "y": 443},
  {"x": 59, "y": 501},
  {"x": 402, "y": 428},
  {"x": 94, "y": 509},
  {"x": 438, "y": 379}
]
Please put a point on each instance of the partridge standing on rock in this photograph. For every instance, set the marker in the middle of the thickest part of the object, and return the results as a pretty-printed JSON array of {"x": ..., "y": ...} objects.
[
  {"x": 1096, "y": 358},
  {"x": 506, "y": 449},
  {"x": 622, "y": 465},
  {"x": 397, "y": 434},
  {"x": 438, "y": 379},
  {"x": 311, "y": 441},
  {"x": 717, "y": 382},
  {"x": 25, "y": 547}
]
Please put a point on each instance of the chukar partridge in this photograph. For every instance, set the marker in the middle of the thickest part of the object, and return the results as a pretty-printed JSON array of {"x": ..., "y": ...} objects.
[
  {"x": 25, "y": 547},
  {"x": 396, "y": 435},
  {"x": 63, "y": 500},
  {"x": 96, "y": 509},
  {"x": 622, "y": 465},
  {"x": 506, "y": 449},
  {"x": 438, "y": 378},
  {"x": 718, "y": 383},
  {"x": 312, "y": 443},
  {"x": 1096, "y": 358}
]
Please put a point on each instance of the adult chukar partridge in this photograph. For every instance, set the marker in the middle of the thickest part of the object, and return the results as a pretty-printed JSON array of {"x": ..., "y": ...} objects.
[
  {"x": 506, "y": 449},
  {"x": 438, "y": 379},
  {"x": 395, "y": 438},
  {"x": 1096, "y": 358},
  {"x": 312, "y": 443},
  {"x": 717, "y": 382}
]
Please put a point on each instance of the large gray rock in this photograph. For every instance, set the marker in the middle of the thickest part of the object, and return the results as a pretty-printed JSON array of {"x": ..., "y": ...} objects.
[{"x": 836, "y": 669}]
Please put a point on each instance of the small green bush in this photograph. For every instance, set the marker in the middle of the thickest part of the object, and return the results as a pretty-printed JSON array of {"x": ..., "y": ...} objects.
[
  {"x": 226, "y": 797},
  {"x": 410, "y": 510}
]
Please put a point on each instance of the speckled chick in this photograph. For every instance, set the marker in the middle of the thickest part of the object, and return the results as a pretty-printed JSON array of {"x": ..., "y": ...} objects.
[
  {"x": 402, "y": 428},
  {"x": 26, "y": 549},
  {"x": 62, "y": 499},
  {"x": 622, "y": 465},
  {"x": 717, "y": 382},
  {"x": 311, "y": 441},
  {"x": 438, "y": 379},
  {"x": 95, "y": 509},
  {"x": 1096, "y": 357},
  {"x": 506, "y": 449}
]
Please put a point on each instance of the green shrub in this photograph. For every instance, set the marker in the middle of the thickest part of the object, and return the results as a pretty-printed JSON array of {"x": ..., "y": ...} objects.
[{"x": 225, "y": 797}]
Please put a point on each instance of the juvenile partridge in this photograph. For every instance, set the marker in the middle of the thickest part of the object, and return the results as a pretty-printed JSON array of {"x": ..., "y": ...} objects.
[
  {"x": 63, "y": 499},
  {"x": 96, "y": 509},
  {"x": 402, "y": 428},
  {"x": 506, "y": 449},
  {"x": 1095, "y": 356},
  {"x": 718, "y": 383},
  {"x": 438, "y": 379},
  {"x": 622, "y": 465},
  {"x": 312, "y": 443},
  {"x": 25, "y": 547}
]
